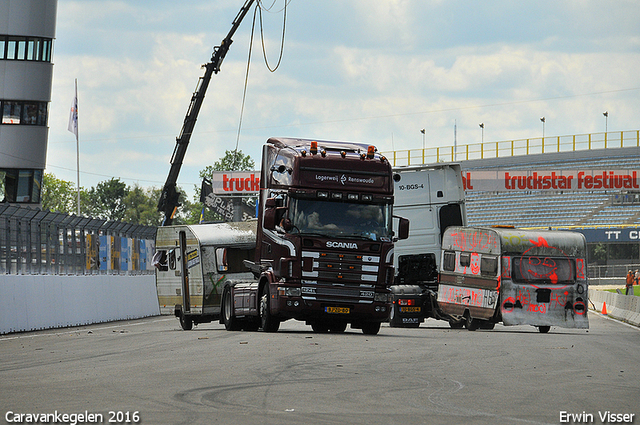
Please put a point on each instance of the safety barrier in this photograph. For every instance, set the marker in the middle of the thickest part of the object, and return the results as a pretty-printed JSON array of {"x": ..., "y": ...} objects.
[
  {"x": 625, "y": 308},
  {"x": 35, "y": 242},
  {"x": 506, "y": 148},
  {"x": 48, "y": 301}
]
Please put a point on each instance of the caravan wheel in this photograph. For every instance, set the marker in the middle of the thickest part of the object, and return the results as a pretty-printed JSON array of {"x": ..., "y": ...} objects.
[{"x": 186, "y": 322}]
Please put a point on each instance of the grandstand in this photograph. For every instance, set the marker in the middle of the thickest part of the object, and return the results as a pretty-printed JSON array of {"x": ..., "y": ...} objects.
[
  {"x": 608, "y": 217},
  {"x": 560, "y": 208}
]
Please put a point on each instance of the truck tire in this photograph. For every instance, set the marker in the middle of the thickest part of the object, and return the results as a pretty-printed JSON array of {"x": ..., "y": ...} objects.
[
  {"x": 394, "y": 320},
  {"x": 267, "y": 321},
  {"x": 338, "y": 327},
  {"x": 319, "y": 328},
  {"x": 459, "y": 324},
  {"x": 371, "y": 328},
  {"x": 230, "y": 321},
  {"x": 544, "y": 329}
]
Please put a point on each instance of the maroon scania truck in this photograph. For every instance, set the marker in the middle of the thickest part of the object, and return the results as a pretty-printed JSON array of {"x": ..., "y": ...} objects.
[{"x": 324, "y": 240}]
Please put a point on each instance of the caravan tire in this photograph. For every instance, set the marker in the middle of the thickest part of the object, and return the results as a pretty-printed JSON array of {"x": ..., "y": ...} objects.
[{"x": 186, "y": 323}]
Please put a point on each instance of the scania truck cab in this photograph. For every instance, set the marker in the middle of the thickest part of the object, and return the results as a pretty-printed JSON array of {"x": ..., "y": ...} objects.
[{"x": 324, "y": 247}]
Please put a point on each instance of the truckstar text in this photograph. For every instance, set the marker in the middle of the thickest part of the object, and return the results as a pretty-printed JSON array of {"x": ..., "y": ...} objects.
[
  {"x": 552, "y": 180},
  {"x": 240, "y": 184},
  {"x": 539, "y": 181}
]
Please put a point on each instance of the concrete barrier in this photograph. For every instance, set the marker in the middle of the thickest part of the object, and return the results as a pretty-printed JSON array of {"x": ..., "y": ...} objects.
[
  {"x": 35, "y": 302},
  {"x": 625, "y": 308}
]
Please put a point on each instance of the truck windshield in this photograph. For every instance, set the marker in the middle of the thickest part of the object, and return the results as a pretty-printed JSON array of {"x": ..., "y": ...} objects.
[
  {"x": 543, "y": 270},
  {"x": 341, "y": 219}
]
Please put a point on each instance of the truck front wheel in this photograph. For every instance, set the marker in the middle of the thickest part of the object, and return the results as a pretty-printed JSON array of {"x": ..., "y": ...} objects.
[
  {"x": 267, "y": 321},
  {"x": 230, "y": 321},
  {"x": 371, "y": 328}
]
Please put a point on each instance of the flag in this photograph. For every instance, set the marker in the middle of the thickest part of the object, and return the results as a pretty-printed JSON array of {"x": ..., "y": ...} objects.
[
  {"x": 201, "y": 216},
  {"x": 205, "y": 189},
  {"x": 73, "y": 114}
]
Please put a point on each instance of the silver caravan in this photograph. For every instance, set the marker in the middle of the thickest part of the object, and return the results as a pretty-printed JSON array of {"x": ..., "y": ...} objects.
[
  {"x": 193, "y": 263},
  {"x": 514, "y": 276},
  {"x": 432, "y": 198}
]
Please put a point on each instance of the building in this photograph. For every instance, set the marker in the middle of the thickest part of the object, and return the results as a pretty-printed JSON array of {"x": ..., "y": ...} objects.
[{"x": 27, "y": 31}]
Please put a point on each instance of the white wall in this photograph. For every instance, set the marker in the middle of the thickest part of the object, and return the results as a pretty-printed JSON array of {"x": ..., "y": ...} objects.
[
  {"x": 622, "y": 307},
  {"x": 46, "y": 301}
]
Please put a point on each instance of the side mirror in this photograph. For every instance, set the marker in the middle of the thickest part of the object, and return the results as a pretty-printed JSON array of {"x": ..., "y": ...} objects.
[{"x": 403, "y": 228}]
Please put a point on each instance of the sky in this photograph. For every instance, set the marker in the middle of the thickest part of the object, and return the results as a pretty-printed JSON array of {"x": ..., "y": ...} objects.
[{"x": 376, "y": 72}]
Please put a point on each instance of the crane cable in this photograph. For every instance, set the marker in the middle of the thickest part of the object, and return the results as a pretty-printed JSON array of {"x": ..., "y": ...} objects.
[
  {"x": 284, "y": 26},
  {"x": 259, "y": 7}
]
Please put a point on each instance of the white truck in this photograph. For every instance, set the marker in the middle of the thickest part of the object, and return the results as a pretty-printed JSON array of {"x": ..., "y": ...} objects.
[{"x": 432, "y": 198}]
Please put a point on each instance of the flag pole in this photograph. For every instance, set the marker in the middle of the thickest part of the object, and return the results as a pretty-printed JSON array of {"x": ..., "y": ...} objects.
[
  {"x": 77, "y": 147},
  {"x": 73, "y": 127}
]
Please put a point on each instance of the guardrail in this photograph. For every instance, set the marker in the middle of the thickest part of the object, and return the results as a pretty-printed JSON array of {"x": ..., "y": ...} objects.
[
  {"x": 44, "y": 242},
  {"x": 507, "y": 148}
]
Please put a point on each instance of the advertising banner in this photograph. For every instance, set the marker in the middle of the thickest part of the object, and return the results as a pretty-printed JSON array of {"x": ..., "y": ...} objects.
[
  {"x": 231, "y": 182},
  {"x": 552, "y": 180}
]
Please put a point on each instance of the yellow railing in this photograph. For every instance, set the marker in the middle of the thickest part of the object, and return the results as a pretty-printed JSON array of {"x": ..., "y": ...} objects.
[{"x": 576, "y": 142}]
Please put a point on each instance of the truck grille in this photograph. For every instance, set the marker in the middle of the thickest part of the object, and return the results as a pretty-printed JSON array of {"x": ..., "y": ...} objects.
[{"x": 329, "y": 276}]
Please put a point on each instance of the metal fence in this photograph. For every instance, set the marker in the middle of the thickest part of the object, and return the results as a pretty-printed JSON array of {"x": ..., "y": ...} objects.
[
  {"x": 33, "y": 241},
  {"x": 611, "y": 271},
  {"x": 506, "y": 148}
]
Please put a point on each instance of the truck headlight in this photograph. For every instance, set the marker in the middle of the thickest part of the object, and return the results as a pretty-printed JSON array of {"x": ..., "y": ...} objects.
[
  {"x": 288, "y": 292},
  {"x": 382, "y": 297}
]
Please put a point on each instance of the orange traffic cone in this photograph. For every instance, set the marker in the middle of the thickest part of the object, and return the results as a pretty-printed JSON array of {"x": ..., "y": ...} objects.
[{"x": 604, "y": 308}]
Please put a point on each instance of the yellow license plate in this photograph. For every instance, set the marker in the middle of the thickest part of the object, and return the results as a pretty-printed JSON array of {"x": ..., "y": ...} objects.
[
  {"x": 410, "y": 310},
  {"x": 337, "y": 310}
]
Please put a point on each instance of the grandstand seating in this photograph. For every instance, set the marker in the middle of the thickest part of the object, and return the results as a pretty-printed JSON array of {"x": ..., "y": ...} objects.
[{"x": 561, "y": 208}]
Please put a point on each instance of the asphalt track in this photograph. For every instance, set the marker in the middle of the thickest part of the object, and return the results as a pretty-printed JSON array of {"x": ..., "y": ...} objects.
[{"x": 151, "y": 371}]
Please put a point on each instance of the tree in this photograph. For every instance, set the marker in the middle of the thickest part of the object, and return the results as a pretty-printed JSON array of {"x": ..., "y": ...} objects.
[
  {"x": 59, "y": 195},
  {"x": 232, "y": 161},
  {"x": 107, "y": 199},
  {"x": 141, "y": 206}
]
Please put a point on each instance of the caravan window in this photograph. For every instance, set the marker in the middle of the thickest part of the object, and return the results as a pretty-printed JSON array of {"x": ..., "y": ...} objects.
[
  {"x": 543, "y": 270},
  {"x": 231, "y": 260},
  {"x": 172, "y": 259},
  {"x": 449, "y": 261},
  {"x": 488, "y": 265}
]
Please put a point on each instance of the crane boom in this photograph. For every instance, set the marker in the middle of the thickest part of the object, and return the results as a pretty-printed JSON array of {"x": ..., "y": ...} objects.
[{"x": 168, "y": 202}]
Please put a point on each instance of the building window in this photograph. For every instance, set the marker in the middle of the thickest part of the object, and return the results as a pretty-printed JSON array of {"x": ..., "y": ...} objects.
[
  {"x": 23, "y": 112},
  {"x": 20, "y": 186},
  {"x": 25, "y": 48}
]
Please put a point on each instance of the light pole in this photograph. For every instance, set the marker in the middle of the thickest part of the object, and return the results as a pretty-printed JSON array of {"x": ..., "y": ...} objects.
[
  {"x": 543, "y": 121},
  {"x": 606, "y": 121},
  {"x": 424, "y": 135},
  {"x": 482, "y": 127}
]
